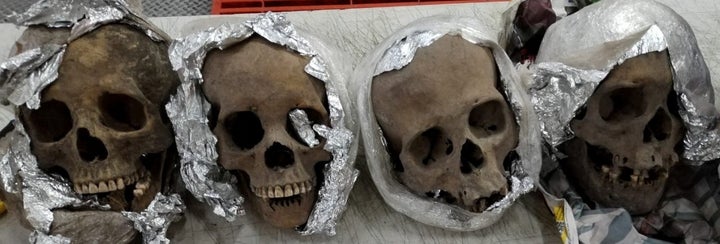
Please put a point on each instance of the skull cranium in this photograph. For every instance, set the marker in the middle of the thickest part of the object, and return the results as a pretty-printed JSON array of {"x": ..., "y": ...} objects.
[
  {"x": 626, "y": 137},
  {"x": 253, "y": 87},
  {"x": 100, "y": 123},
  {"x": 448, "y": 127}
]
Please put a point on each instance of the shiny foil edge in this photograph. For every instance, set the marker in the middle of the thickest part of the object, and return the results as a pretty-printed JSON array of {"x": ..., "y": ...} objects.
[
  {"x": 617, "y": 21},
  {"x": 187, "y": 56},
  {"x": 303, "y": 126},
  {"x": 155, "y": 220},
  {"x": 25, "y": 75},
  {"x": 524, "y": 173}
]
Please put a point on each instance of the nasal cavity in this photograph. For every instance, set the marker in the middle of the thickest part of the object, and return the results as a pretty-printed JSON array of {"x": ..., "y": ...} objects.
[
  {"x": 90, "y": 148},
  {"x": 279, "y": 156},
  {"x": 471, "y": 157}
]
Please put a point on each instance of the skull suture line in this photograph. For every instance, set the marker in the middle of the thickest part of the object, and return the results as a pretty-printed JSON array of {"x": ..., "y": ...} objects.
[
  {"x": 627, "y": 136},
  {"x": 100, "y": 123},
  {"x": 448, "y": 127},
  {"x": 253, "y": 87}
]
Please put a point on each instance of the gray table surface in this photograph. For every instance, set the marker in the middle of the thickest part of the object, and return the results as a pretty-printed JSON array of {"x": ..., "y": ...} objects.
[{"x": 368, "y": 219}]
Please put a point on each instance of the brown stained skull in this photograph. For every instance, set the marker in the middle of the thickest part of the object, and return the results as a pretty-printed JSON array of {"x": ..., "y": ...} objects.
[
  {"x": 627, "y": 135},
  {"x": 447, "y": 124},
  {"x": 100, "y": 124},
  {"x": 253, "y": 87}
]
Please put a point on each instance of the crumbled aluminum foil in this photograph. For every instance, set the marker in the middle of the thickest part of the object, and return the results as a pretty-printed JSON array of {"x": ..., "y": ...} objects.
[
  {"x": 25, "y": 75},
  {"x": 188, "y": 112},
  {"x": 403, "y": 51},
  {"x": 558, "y": 92},
  {"x": 396, "y": 52},
  {"x": 621, "y": 30},
  {"x": 208, "y": 183},
  {"x": 39, "y": 191},
  {"x": 22, "y": 79},
  {"x": 154, "y": 222},
  {"x": 303, "y": 126},
  {"x": 37, "y": 237}
]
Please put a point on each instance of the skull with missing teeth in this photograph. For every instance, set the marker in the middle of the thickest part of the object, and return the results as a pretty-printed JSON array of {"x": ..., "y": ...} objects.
[
  {"x": 100, "y": 123},
  {"x": 627, "y": 136},
  {"x": 448, "y": 127},
  {"x": 254, "y": 86}
]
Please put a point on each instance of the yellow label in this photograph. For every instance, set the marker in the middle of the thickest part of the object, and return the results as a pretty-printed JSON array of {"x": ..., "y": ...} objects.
[{"x": 559, "y": 213}]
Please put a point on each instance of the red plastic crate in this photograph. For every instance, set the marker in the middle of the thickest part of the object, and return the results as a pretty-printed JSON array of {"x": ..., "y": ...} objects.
[{"x": 257, "y": 6}]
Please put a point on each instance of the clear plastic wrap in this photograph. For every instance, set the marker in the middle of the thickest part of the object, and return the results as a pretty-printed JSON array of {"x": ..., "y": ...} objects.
[
  {"x": 570, "y": 65},
  {"x": 396, "y": 52},
  {"x": 634, "y": 28}
]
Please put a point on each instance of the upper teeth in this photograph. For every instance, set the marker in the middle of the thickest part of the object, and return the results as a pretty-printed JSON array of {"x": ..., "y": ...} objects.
[
  {"x": 286, "y": 190},
  {"x": 113, "y": 184},
  {"x": 638, "y": 177}
]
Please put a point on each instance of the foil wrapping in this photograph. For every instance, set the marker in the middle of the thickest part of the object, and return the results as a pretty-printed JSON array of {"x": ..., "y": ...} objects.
[
  {"x": 189, "y": 109},
  {"x": 26, "y": 74},
  {"x": 403, "y": 51},
  {"x": 396, "y": 52},
  {"x": 22, "y": 79},
  {"x": 154, "y": 222},
  {"x": 622, "y": 30},
  {"x": 196, "y": 145},
  {"x": 303, "y": 126},
  {"x": 40, "y": 192},
  {"x": 558, "y": 92},
  {"x": 37, "y": 237}
]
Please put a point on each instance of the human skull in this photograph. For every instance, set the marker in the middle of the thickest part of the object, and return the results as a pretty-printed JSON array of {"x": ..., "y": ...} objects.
[
  {"x": 448, "y": 128},
  {"x": 100, "y": 124},
  {"x": 626, "y": 137},
  {"x": 253, "y": 87}
]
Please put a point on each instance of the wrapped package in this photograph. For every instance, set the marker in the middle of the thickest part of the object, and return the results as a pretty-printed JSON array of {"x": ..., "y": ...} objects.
[
  {"x": 441, "y": 110},
  {"x": 263, "y": 115},
  {"x": 88, "y": 157},
  {"x": 628, "y": 115}
]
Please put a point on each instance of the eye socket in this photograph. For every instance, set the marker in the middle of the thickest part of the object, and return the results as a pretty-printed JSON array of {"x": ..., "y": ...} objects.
[
  {"x": 622, "y": 104},
  {"x": 487, "y": 119},
  {"x": 122, "y": 112},
  {"x": 314, "y": 117},
  {"x": 244, "y": 128},
  {"x": 51, "y": 122}
]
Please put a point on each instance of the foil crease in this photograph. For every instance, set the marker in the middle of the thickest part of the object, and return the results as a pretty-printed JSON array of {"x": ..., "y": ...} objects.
[
  {"x": 37, "y": 237},
  {"x": 558, "y": 92},
  {"x": 625, "y": 29},
  {"x": 195, "y": 142},
  {"x": 22, "y": 79},
  {"x": 189, "y": 109},
  {"x": 277, "y": 29},
  {"x": 303, "y": 126},
  {"x": 403, "y": 51},
  {"x": 28, "y": 92},
  {"x": 23, "y": 75},
  {"x": 396, "y": 52},
  {"x": 154, "y": 221}
]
